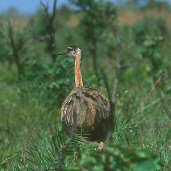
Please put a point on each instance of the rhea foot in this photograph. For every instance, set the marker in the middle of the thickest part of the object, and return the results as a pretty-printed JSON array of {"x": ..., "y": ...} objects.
[{"x": 100, "y": 146}]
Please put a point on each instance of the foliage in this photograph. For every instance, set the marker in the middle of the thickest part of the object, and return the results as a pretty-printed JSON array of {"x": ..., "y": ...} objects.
[
  {"x": 31, "y": 134},
  {"x": 51, "y": 82},
  {"x": 117, "y": 158},
  {"x": 157, "y": 4},
  {"x": 150, "y": 34},
  {"x": 150, "y": 4}
]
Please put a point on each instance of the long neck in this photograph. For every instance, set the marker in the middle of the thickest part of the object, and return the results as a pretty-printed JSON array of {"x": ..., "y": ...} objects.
[{"x": 78, "y": 76}]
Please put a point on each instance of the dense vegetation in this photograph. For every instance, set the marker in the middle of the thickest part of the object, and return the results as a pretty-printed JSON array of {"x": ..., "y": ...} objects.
[{"x": 34, "y": 82}]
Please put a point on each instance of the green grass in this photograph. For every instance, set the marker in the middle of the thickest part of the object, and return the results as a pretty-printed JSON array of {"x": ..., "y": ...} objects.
[{"x": 31, "y": 137}]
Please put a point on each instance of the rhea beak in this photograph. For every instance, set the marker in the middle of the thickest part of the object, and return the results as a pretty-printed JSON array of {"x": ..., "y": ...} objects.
[
  {"x": 66, "y": 52},
  {"x": 62, "y": 53}
]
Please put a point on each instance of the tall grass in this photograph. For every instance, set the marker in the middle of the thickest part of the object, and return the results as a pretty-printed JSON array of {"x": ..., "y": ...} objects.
[{"x": 30, "y": 132}]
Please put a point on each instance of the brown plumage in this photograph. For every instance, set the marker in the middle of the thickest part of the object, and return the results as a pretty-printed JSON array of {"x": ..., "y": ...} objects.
[{"x": 86, "y": 108}]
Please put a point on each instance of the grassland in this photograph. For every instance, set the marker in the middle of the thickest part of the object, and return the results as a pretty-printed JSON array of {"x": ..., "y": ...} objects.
[{"x": 28, "y": 124}]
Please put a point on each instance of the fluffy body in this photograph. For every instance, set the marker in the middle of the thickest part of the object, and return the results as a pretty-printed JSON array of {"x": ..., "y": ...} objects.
[{"x": 89, "y": 110}]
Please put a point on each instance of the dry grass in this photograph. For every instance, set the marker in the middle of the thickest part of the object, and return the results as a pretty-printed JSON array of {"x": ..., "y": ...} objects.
[
  {"x": 19, "y": 22},
  {"x": 73, "y": 21},
  {"x": 125, "y": 17},
  {"x": 132, "y": 17}
]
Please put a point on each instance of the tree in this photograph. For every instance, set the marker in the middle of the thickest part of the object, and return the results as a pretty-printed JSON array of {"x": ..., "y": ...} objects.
[
  {"x": 15, "y": 46},
  {"x": 44, "y": 28},
  {"x": 98, "y": 16}
]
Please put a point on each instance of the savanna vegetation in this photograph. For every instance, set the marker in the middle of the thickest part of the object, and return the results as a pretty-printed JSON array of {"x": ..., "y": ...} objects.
[{"x": 126, "y": 54}]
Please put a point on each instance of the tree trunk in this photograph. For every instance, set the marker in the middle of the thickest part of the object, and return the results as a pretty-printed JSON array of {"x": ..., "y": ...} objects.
[
  {"x": 15, "y": 53},
  {"x": 94, "y": 61}
]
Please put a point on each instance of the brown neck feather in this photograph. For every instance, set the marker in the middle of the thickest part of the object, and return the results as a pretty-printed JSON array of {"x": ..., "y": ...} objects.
[{"x": 78, "y": 76}]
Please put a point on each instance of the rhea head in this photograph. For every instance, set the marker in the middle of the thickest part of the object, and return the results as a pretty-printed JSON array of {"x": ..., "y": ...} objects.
[{"x": 72, "y": 51}]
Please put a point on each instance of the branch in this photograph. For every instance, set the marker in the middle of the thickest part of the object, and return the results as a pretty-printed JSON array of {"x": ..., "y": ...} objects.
[
  {"x": 106, "y": 84},
  {"x": 117, "y": 68},
  {"x": 54, "y": 9},
  {"x": 46, "y": 8},
  {"x": 11, "y": 37},
  {"x": 15, "y": 50},
  {"x": 113, "y": 93},
  {"x": 50, "y": 29}
]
